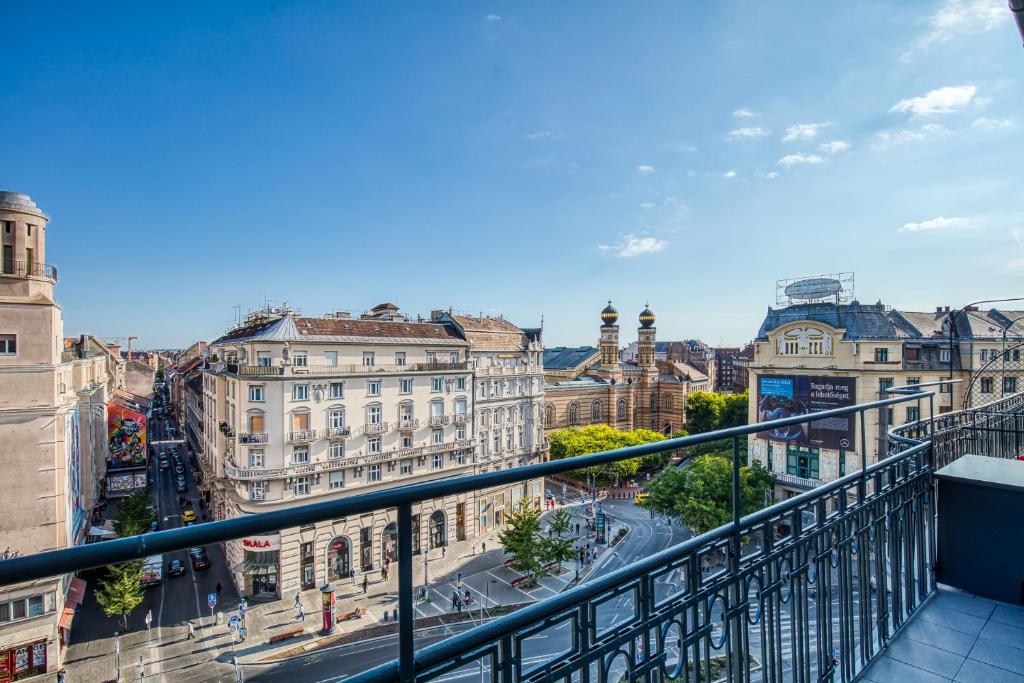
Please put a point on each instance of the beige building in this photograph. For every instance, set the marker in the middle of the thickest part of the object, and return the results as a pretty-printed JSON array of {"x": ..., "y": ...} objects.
[
  {"x": 298, "y": 409},
  {"x": 819, "y": 355},
  {"x": 53, "y": 396}
]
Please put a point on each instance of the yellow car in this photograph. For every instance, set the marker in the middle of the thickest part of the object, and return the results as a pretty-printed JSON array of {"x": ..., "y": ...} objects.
[
  {"x": 640, "y": 498},
  {"x": 189, "y": 515}
]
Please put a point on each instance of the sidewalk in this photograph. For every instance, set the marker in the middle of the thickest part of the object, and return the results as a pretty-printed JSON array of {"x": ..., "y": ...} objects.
[{"x": 462, "y": 566}]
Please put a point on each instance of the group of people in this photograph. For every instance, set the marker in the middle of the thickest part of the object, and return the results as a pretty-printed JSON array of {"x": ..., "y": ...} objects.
[
  {"x": 460, "y": 601},
  {"x": 586, "y": 554}
]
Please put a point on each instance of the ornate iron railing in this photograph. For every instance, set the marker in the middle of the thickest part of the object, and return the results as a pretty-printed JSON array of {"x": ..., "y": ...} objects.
[{"x": 810, "y": 588}]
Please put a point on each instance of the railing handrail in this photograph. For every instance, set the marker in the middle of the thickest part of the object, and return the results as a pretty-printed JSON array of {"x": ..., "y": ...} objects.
[{"x": 55, "y": 562}]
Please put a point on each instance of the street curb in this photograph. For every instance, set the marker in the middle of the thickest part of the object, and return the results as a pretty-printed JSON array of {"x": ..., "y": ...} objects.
[{"x": 604, "y": 558}]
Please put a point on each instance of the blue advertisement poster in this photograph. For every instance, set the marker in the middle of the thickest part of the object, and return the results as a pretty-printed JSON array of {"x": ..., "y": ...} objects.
[{"x": 780, "y": 396}]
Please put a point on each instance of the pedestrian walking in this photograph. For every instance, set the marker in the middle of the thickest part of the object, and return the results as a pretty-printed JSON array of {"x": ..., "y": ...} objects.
[
  {"x": 455, "y": 600},
  {"x": 594, "y": 553},
  {"x": 191, "y": 631},
  {"x": 577, "y": 528},
  {"x": 142, "y": 668},
  {"x": 302, "y": 614},
  {"x": 220, "y": 588},
  {"x": 60, "y": 676},
  {"x": 366, "y": 583},
  {"x": 384, "y": 573},
  {"x": 298, "y": 600},
  {"x": 483, "y": 547},
  {"x": 469, "y": 597}
]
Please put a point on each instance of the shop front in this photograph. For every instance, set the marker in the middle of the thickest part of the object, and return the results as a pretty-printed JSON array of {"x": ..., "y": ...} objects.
[
  {"x": 23, "y": 661},
  {"x": 260, "y": 567}
]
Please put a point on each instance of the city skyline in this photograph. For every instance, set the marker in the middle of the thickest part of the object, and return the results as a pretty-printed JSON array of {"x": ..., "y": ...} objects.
[{"x": 520, "y": 160}]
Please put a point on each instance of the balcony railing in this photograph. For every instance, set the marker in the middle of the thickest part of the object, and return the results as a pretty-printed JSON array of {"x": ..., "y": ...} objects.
[
  {"x": 29, "y": 269},
  {"x": 811, "y": 588},
  {"x": 260, "y": 370},
  {"x": 408, "y": 424},
  {"x": 263, "y": 473},
  {"x": 302, "y": 436},
  {"x": 438, "y": 420},
  {"x": 253, "y": 437},
  {"x": 374, "y": 428},
  {"x": 459, "y": 418},
  {"x": 338, "y": 432},
  {"x": 342, "y": 369}
]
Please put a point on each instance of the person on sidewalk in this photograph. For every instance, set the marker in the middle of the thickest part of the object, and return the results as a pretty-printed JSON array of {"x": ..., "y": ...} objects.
[
  {"x": 298, "y": 600},
  {"x": 384, "y": 573},
  {"x": 366, "y": 583},
  {"x": 577, "y": 528},
  {"x": 302, "y": 615},
  {"x": 594, "y": 553},
  {"x": 455, "y": 600},
  {"x": 483, "y": 548},
  {"x": 191, "y": 632}
]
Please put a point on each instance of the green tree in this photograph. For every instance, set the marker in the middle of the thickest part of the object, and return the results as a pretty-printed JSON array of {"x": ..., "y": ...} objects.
[
  {"x": 134, "y": 514},
  {"x": 521, "y": 538},
  {"x": 735, "y": 410},
  {"x": 575, "y": 441},
  {"x": 703, "y": 411},
  {"x": 700, "y": 495},
  {"x": 120, "y": 591},
  {"x": 560, "y": 521}
]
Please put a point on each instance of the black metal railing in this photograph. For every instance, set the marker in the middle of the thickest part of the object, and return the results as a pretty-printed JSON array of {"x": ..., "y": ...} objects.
[
  {"x": 29, "y": 269},
  {"x": 810, "y": 588}
]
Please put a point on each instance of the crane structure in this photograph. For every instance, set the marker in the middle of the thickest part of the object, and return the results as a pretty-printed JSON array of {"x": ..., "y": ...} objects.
[{"x": 129, "y": 339}]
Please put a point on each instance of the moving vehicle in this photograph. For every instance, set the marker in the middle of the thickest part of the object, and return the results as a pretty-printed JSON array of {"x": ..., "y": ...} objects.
[
  {"x": 164, "y": 463},
  {"x": 198, "y": 558},
  {"x": 189, "y": 515},
  {"x": 153, "y": 570},
  {"x": 181, "y": 486},
  {"x": 179, "y": 468},
  {"x": 640, "y": 497},
  {"x": 175, "y": 568}
]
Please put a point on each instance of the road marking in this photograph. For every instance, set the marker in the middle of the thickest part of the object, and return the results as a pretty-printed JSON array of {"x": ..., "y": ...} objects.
[{"x": 510, "y": 585}]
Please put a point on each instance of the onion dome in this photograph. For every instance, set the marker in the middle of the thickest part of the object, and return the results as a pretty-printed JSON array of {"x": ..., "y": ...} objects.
[
  {"x": 646, "y": 317},
  {"x": 609, "y": 316}
]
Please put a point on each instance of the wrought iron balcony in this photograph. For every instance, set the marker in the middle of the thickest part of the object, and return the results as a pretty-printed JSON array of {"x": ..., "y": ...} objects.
[
  {"x": 812, "y": 588},
  {"x": 438, "y": 420},
  {"x": 408, "y": 424},
  {"x": 374, "y": 428},
  {"x": 29, "y": 269},
  {"x": 302, "y": 436},
  {"x": 253, "y": 437},
  {"x": 459, "y": 418},
  {"x": 338, "y": 432}
]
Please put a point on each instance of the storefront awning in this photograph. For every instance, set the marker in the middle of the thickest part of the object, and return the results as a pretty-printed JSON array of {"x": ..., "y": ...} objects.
[
  {"x": 65, "y": 619},
  {"x": 76, "y": 593},
  {"x": 256, "y": 563}
]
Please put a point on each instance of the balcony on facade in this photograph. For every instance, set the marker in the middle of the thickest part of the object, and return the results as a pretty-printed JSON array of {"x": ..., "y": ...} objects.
[
  {"x": 459, "y": 418},
  {"x": 825, "y": 586},
  {"x": 408, "y": 424},
  {"x": 338, "y": 432},
  {"x": 303, "y": 436},
  {"x": 253, "y": 438},
  {"x": 438, "y": 420},
  {"x": 28, "y": 269},
  {"x": 375, "y": 428},
  {"x": 338, "y": 370}
]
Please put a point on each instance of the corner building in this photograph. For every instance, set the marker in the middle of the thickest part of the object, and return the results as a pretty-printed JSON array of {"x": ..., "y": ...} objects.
[{"x": 300, "y": 409}]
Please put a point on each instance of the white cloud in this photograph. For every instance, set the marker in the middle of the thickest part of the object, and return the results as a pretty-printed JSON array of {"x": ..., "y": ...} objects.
[
  {"x": 942, "y": 101},
  {"x": 647, "y": 205},
  {"x": 747, "y": 133},
  {"x": 984, "y": 122},
  {"x": 891, "y": 138},
  {"x": 729, "y": 174},
  {"x": 959, "y": 17},
  {"x": 683, "y": 147},
  {"x": 494, "y": 18},
  {"x": 940, "y": 223},
  {"x": 744, "y": 114},
  {"x": 632, "y": 246},
  {"x": 645, "y": 169},
  {"x": 795, "y": 159},
  {"x": 770, "y": 175},
  {"x": 544, "y": 135},
  {"x": 803, "y": 131},
  {"x": 834, "y": 147}
]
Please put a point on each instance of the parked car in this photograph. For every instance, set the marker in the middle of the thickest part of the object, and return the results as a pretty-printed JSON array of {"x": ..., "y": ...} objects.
[
  {"x": 164, "y": 463},
  {"x": 180, "y": 486},
  {"x": 199, "y": 559},
  {"x": 179, "y": 468},
  {"x": 175, "y": 568}
]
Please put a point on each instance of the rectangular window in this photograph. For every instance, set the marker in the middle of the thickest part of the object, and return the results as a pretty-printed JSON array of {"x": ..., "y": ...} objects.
[
  {"x": 336, "y": 419},
  {"x": 300, "y": 359},
  {"x": 336, "y": 450},
  {"x": 460, "y": 458},
  {"x": 35, "y": 605},
  {"x": 300, "y": 392},
  {"x": 943, "y": 355},
  {"x": 460, "y": 383},
  {"x": 460, "y": 433},
  {"x": 437, "y": 436},
  {"x": 300, "y": 455},
  {"x": 300, "y": 486},
  {"x": 373, "y": 414},
  {"x": 986, "y": 385},
  {"x": 330, "y": 358},
  {"x": 18, "y": 609},
  {"x": 373, "y": 387},
  {"x": 336, "y": 480},
  {"x": 373, "y": 473},
  {"x": 770, "y": 469},
  {"x": 256, "y": 457},
  {"x": 432, "y": 357},
  {"x": 300, "y": 422},
  {"x": 406, "y": 441},
  {"x": 8, "y": 344},
  {"x": 984, "y": 355},
  {"x": 912, "y": 353},
  {"x": 337, "y": 390},
  {"x": 405, "y": 386},
  {"x": 438, "y": 461},
  {"x": 842, "y": 462},
  {"x": 881, "y": 355},
  {"x": 367, "y": 359},
  {"x": 913, "y": 413},
  {"x": 1009, "y": 385},
  {"x": 436, "y": 384},
  {"x": 399, "y": 357},
  {"x": 373, "y": 444},
  {"x": 453, "y": 357},
  {"x": 256, "y": 424},
  {"x": 802, "y": 462},
  {"x": 255, "y": 393},
  {"x": 263, "y": 359},
  {"x": 407, "y": 466},
  {"x": 913, "y": 380}
]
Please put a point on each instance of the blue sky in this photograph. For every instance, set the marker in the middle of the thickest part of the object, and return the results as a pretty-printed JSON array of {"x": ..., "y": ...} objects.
[{"x": 520, "y": 158}]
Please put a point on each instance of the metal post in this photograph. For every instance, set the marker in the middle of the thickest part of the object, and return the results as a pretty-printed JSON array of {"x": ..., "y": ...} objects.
[
  {"x": 117, "y": 656},
  {"x": 406, "y": 650},
  {"x": 426, "y": 570},
  {"x": 735, "y": 626}
]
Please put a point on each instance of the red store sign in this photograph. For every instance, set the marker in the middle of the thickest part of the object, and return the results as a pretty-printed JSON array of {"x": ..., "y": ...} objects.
[{"x": 262, "y": 543}]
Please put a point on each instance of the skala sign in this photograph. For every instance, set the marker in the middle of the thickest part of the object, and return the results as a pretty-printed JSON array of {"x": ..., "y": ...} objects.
[{"x": 262, "y": 543}]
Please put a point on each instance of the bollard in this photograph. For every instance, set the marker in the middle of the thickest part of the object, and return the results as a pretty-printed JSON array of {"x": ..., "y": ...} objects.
[
  {"x": 385, "y": 616},
  {"x": 395, "y": 615}
]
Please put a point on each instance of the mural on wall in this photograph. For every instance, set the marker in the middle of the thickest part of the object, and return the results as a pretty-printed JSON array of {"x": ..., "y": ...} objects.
[
  {"x": 73, "y": 483},
  {"x": 126, "y": 436}
]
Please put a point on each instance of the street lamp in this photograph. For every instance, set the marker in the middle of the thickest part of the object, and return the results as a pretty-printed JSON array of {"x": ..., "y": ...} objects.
[{"x": 1017, "y": 7}]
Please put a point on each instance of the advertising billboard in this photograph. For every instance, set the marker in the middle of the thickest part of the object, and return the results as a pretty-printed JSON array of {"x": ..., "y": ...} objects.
[
  {"x": 126, "y": 436},
  {"x": 780, "y": 396}
]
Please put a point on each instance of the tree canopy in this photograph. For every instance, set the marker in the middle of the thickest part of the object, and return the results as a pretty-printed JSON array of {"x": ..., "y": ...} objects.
[
  {"x": 134, "y": 514},
  {"x": 700, "y": 494},
  {"x": 706, "y": 411},
  {"x": 574, "y": 441},
  {"x": 121, "y": 591}
]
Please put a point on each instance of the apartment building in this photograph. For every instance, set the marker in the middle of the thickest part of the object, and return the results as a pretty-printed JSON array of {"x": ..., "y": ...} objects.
[
  {"x": 53, "y": 438},
  {"x": 298, "y": 409}
]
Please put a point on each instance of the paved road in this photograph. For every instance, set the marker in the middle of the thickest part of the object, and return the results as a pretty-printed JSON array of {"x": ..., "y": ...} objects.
[{"x": 167, "y": 654}]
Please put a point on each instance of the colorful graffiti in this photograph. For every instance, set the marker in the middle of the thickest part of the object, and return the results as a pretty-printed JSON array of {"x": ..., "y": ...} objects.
[
  {"x": 126, "y": 436},
  {"x": 73, "y": 492}
]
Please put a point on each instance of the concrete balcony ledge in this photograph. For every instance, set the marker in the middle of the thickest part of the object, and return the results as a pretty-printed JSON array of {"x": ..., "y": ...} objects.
[
  {"x": 303, "y": 436},
  {"x": 408, "y": 425},
  {"x": 374, "y": 429},
  {"x": 438, "y": 420},
  {"x": 253, "y": 437}
]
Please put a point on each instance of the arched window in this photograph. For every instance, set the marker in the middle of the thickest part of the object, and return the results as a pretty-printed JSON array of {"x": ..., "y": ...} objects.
[
  {"x": 620, "y": 411},
  {"x": 595, "y": 411},
  {"x": 668, "y": 402},
  {"x": 339, "y": 558},
  {"x": 437, "y": 529},
  {"x": 654, "y": 401},
  {"x": 574, "y": 414},
  {"x": 460, "y": 406},
  {"x": 549, "y": 416}
]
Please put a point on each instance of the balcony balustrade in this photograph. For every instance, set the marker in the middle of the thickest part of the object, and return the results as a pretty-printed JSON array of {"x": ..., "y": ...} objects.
[
  {"x": 302, "y": 436},
  {"x": 374, "y": 428},
  {"x": 338, "y": 432},
  {"x": 253, "y": 437},
  {"x": 438, "y": 420},
  {"x": 260, "y": 370},
  {"x": 459, "y": 418},
  {"x": 408, "y": 424},
  {"x": 28, "y": 269},
  {"x": 812, "y": 588},
  {"x": 321, "y": 369}
]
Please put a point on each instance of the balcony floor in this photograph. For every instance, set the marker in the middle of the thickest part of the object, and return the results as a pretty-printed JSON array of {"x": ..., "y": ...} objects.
[{"x": 956, "y": 637}]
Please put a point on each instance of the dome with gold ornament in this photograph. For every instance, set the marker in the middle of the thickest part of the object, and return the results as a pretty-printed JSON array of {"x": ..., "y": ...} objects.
[
  {"x": 609, "y": 316},
  {"x": 646, "y": 317}
]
